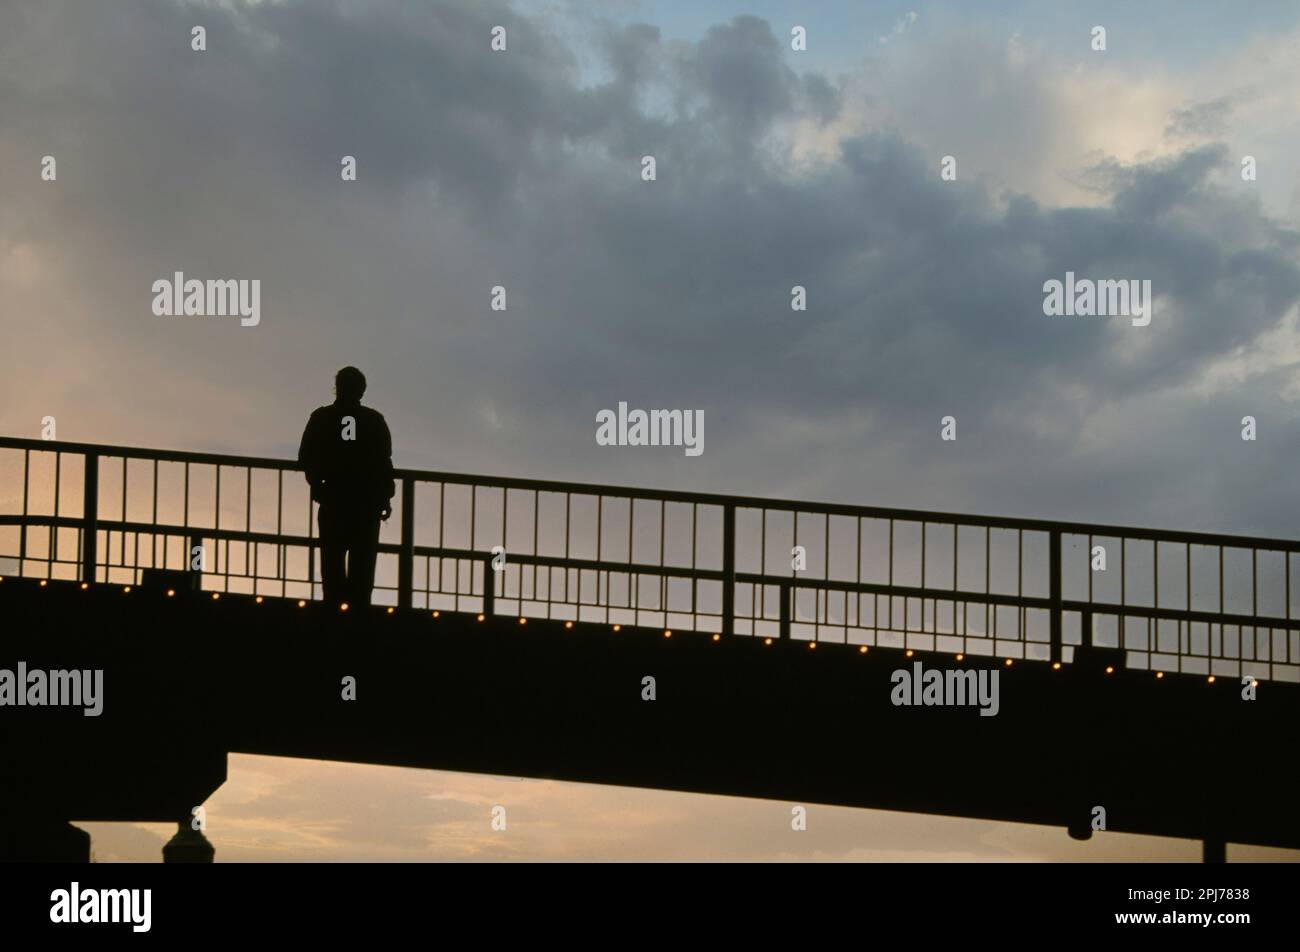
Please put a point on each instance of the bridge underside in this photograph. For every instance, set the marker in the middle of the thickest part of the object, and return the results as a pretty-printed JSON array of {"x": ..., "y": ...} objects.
[{"x": 188, "y": 679}]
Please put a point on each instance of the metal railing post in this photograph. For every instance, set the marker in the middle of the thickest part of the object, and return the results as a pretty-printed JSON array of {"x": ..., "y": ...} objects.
[
  {"x": 406, "y": 558},
  {"x": 729, "y": 569},
  {"x": 90, "y": 519},
  {"x": 787, "y": 594},
  {"x": 1054, "y": 570},
  {"x": 490, "y": 586}
]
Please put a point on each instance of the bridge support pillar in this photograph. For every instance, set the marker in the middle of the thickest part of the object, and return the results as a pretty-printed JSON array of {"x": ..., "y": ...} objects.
[
  {"x": 1214, "y": 851},
  {"x": 38, "y": 840},
  {"x": 188, "y": 846}
]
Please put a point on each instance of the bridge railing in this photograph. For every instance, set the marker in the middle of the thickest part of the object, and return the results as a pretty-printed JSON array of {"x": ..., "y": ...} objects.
[{"x": 732, "y": 565}]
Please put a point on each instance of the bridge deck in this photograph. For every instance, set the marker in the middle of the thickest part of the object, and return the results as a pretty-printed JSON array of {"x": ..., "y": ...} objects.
[{"x": 189, "y": 678}]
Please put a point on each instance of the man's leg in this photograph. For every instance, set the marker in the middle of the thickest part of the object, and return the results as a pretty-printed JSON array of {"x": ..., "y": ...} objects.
[
  {"x": 363, "y": 551},
  {"x": 333, "y": 548}
]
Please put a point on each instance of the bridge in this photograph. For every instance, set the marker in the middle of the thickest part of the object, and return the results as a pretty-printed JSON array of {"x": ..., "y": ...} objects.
[{"x": 1149, "y": 679}]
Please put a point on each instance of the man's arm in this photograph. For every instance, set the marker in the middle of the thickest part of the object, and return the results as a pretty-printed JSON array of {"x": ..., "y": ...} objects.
[
  {"x": 309, "y": 453},
  {"x": 386, "y": 466}
]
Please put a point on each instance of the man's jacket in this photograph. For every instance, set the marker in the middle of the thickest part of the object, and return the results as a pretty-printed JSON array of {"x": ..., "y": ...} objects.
[{"x": 356, "y": 473}]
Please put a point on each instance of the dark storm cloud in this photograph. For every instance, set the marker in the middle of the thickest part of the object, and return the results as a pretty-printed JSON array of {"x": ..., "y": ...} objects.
[{"x": 478, "y": 168}]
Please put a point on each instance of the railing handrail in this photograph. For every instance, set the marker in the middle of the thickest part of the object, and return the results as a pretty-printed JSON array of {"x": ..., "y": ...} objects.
[{"x": 706, "y": 498}]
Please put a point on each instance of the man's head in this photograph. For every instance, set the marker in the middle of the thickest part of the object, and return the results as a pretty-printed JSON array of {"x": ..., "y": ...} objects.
[{"x": 349, "y": 385}]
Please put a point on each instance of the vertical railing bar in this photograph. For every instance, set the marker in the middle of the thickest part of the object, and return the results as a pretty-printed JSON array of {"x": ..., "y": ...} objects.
[
  {"x": 122, "y": 544},
  {"x": 600, "y": 531},
  {"x": 256, "y": 545},
  {"x": 762, "y": 559},
  {"x": 185, "y": 554},
  {"x": 90, "y": 519},
  {"x": 995, "y": 629},
  {"x": 663, "y": 598},
  {"x": 135, "y": 568},
  {"x": 576, "y": 599},
  {"x": 663, "y": 531},
  {"x": 988, "y": 579},
  {"x": 22, "y": 535},
  {"x": 216, "y": 501},
  {"x": 891, "y": 581},
  {"x": 281, "y": 559},
  {"x": 54, "y": 529},
  {"x": 729, "y": 569},
  {"x": 826, "y": 552},
  {"x": 248, "y": 524},
  {"x": 53, "y": 547},
  {"x": 79, "y": 555},
  {"x": 695, "y": 582},
  {"x": 875, "y": 617},
  {"x": 537, "y": 502},
  {"x": 406, "y": 554},
  {"x": 858, "y": 561},
  {"x": 1020, "y": 563},
  {"x": 442, "y": 522},
  {"x": 153, "y": 558},
  {"x": 786, "y": 594},
  {"x": 663, "y": 579},
  {"x": 489, "y": 585}
]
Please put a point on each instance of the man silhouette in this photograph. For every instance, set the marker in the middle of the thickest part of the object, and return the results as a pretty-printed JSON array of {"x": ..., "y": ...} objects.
[{"x": 347, "y": 455}]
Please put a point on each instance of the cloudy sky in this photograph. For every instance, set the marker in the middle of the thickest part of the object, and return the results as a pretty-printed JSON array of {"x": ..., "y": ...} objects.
[{"x": 775, "y": 168}]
